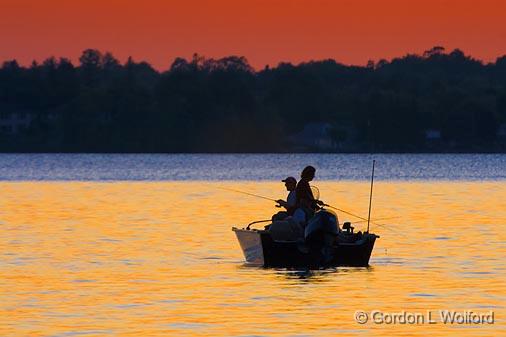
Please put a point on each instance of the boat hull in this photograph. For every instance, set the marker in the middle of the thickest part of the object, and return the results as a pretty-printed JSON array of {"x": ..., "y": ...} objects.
[
  {"x": 260, "y": 249},
  {"x": 251, "y": 245}
]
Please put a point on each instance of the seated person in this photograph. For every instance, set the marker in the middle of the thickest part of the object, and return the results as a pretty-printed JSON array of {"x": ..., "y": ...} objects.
[
  {"x": 303, "y": 213},
  {"x": 305, "y": 198},
  {"x": 299, "y": 216},
  {"x": 291, "y": 200}
]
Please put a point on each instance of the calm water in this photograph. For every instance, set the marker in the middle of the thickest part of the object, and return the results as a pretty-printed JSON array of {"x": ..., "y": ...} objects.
[
  {"x": 141, "y": 246},
  {"x": 91, "y": 167}
]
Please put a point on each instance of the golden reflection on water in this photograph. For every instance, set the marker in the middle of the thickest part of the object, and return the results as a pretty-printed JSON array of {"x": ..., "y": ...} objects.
[{"x": 159, "y": 259}]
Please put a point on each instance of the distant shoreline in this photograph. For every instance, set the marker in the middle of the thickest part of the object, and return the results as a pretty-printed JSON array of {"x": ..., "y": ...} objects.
[{"x": 437, "y": 102}]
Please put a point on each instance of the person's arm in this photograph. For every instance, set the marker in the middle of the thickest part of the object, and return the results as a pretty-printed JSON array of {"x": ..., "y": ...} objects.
[{"x": 310, "y": 193}]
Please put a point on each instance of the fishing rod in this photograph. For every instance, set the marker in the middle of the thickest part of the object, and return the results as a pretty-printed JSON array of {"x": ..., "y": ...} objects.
[
  {"x": 327, "y": 205},
  {"x": 345, "y": 212},
  {"x": 365, "y": 220},
  {"x": 246, "y": 193},
  {"x": 370, "y": 196},
  {"x": 270, "y": 199}
]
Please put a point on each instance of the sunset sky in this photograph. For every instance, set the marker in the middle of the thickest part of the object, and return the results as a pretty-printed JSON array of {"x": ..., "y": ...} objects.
[{"x": 265, "y": 31}]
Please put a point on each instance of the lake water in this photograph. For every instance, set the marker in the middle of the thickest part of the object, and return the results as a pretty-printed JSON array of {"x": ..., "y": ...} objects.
[
  {"x": 140, "y": 245},
  {"x": 190, "y": 167}
]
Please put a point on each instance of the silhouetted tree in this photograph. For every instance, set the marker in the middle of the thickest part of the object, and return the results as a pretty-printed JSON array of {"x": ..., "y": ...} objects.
[{"x": 223, "y": 105}]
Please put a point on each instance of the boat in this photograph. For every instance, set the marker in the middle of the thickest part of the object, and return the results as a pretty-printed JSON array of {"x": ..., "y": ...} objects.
[{"x": 323, "y": 244}]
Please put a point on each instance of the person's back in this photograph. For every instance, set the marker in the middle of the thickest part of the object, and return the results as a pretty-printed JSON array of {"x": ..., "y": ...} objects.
[
  {"x": 303, "y": 193},
  {"x": 305, "y": 198}
]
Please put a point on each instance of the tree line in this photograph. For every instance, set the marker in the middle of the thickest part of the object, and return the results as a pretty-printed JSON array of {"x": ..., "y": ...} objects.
[{"x": 224, "y": 105}]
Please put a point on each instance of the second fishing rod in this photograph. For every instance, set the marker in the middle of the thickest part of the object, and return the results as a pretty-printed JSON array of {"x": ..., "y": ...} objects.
[{"x": 323, "y": 204}]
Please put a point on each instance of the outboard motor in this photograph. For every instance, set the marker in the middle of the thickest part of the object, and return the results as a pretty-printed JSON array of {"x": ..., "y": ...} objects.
[{"x": 320, "y": 234}]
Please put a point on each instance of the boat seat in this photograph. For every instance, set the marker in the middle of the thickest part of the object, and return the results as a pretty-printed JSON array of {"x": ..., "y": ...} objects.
[{"x": 285, "y": 231}]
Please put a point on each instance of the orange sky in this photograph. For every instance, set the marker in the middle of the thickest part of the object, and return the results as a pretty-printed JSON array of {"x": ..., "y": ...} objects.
[{"x": 265, "y": 31}]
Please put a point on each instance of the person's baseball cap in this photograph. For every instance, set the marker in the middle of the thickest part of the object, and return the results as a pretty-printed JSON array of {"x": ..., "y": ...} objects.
[{"x": 289, "y": 179}]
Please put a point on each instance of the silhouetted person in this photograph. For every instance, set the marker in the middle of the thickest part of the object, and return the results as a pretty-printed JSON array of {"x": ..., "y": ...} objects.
[
  {"x": 291, "y": 200},
  {"x": 305, "y": 197},
  {"x": 304, "y": 194}
]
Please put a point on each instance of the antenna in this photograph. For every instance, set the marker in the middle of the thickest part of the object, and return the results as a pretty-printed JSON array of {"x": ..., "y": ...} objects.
[{"x": 370, "y": 196}]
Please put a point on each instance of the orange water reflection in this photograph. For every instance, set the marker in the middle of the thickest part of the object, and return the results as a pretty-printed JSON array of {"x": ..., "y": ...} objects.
[{"x": 153, "y": 259}]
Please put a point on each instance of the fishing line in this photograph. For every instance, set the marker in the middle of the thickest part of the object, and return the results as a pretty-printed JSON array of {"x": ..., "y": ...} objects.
[
  {"x": 327, "y": 205},
  {"x": 246, "y": 193},
  {"x": 270, "y": 199},
  {"x": 379, "y": 219},
  {"x": 390, "y": 229}
]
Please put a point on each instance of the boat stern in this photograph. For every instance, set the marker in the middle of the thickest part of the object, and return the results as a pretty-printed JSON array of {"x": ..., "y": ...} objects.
[{"x": 251, "y": 244}]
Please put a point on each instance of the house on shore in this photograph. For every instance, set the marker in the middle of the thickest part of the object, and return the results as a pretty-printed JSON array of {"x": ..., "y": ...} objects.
[
  {"x": 13, "y": 122},
  {"x": 433, "y": 138},
  {"x": 501, "y": 133},
  {"x": 313, "y": 137}
]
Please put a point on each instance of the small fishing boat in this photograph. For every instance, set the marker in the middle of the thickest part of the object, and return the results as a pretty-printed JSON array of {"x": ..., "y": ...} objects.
[
  {"x": 319, "y": 243},
  {"x": 323, "y": 244}
]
